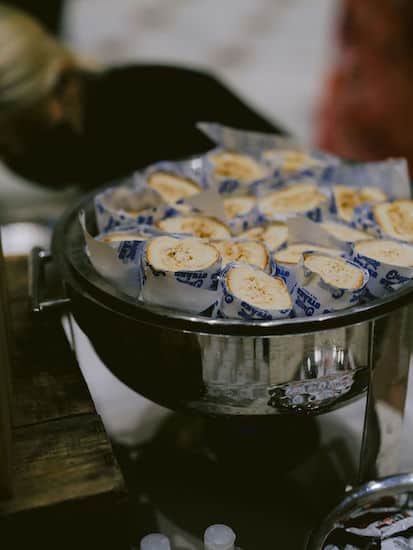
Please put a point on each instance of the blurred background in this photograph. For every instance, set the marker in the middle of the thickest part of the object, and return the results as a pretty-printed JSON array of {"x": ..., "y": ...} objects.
[{"x": 272, "y": 52}]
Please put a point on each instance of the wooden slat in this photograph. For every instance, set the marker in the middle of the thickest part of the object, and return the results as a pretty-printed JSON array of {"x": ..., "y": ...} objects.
[
  {"x": 46, "y": 378},
  {"x": 62, "y": 461},
  {"x": 63, "y": 464}
]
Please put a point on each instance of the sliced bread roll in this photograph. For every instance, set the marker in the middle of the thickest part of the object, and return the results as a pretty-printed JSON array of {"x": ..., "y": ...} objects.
[
  {"x": 258, "y": 289},
  {"x": 273, "y": 235},
  {"x": 344, "y": 233},
  {"x": 386, "y": 251},
  {"x": 292, "y": 254},
  {"x": 249, "y": 252},
  {"x": 238, "y": 206},
  {"x": 396, "y": 219},
  {"x": 203, "y": 227},
  {"x": 172, "y": 187},
  {"x": 119, "y": 236},
  {"x": 166, "y": 253},
  {"x": 348, "y": 198},
  {"x": 294, "y": 199},
  {"x": 236, "y": 166},
  {"x": 291, "y": 160},
  {"x": 336, "y": 272}
]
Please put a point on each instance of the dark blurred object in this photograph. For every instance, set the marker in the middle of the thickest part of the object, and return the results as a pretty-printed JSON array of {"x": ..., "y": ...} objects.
[
  {"x": 133, "y": 116},
  {"x": 48, "y": 12},
  {"x": 365, "y": 113},
  {"x": 62, "y": 124},
  {"x": 5, "y": 387}
]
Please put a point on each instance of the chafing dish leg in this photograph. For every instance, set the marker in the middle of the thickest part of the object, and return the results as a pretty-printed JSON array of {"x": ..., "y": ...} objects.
[{"x": 390, "y": 350}]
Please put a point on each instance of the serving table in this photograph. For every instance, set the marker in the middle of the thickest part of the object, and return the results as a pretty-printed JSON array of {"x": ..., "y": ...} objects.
[{"x": 67, "y": 487}]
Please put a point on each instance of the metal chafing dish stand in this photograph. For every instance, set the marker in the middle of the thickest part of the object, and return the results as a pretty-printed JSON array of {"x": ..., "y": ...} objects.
[{"x": 216, "y": 367}]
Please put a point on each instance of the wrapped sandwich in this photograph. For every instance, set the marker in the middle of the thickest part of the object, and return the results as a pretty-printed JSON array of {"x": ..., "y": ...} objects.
[
  {"x": 389, "y": 263},
  {"x": 274, "y": 235},
  {"x": 300, "y": 198},
  {"x": 326, "y": 283},
  {"x": 241, "y": 250},
  {"x": 250, "y": 293},
  {"x": 346, "y": 199},
  {"x": 203, "y": 227},
  {"x": 180, "y": 273},
  {"x": 287, "y": 259}
]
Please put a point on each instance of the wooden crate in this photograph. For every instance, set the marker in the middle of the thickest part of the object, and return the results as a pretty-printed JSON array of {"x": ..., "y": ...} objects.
[{"x": 5, "y": 388}]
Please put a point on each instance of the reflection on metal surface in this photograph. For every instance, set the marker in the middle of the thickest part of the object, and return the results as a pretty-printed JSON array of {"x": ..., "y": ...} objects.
[
  {"x": 324, "y": 376},
  {"x": 390, "y": 355}
]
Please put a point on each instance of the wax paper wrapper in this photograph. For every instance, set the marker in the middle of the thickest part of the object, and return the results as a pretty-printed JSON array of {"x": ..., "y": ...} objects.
[
  {"x": 233, "y": 307},
  {"x": 301, "y": 230},
  {"x": 119, "y": 262},
  {"x": 191, "y": 291},
  {"x": 384, "y": 278},
  {"x": 313, "y": 296}
]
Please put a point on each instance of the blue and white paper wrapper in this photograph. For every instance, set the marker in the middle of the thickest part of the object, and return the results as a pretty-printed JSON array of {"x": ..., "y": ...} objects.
[
  {"x": 313, "y": 296},
  {"x": 112, "y": 204},
  {"x": 120, "y": 262},
  {"x": 317, "y": 214},
  {"x": 192, "y": 169},
  {"x": 191, "y": 291},
  {"x": 363, "y": 219},
  {"x": 384, "y": 278},
  {"x": 288, "y": 271},
  {"x": 300, "y": 230},
  {"x": 228, "y": 185},
  {"x": 128, "y": 231},
  {"x": 242, "y": 222},
  {"x": 233, "y": 307},
  {"x": 391, "y": 176}
]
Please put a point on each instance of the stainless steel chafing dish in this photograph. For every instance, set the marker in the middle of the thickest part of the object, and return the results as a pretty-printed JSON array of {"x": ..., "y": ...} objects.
[{"x": 229, "y": 367}]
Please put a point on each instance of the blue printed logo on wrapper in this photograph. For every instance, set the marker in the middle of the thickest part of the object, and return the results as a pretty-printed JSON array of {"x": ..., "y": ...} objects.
[
  {"x": 363, "y": 219},
  {"x": 242, "y": 222},
  {"x": 231, "y": 306},
  {"x": 384, "y": 278}
]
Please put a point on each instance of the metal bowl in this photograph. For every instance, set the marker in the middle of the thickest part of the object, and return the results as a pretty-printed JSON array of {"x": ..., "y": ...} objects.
[{"x": 219, "y": 366}]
